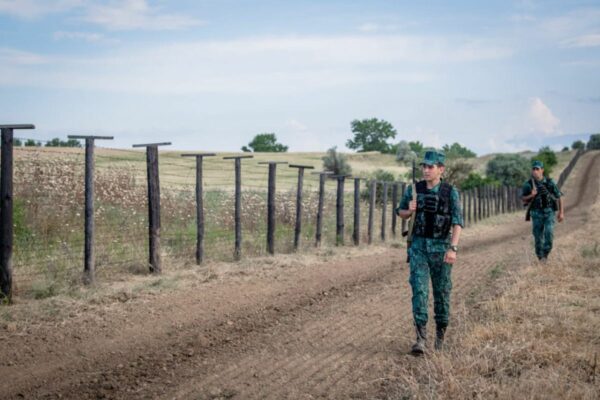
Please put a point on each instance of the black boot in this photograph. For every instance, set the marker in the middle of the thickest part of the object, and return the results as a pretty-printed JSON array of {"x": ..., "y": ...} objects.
[
  {"x": 440, "y": 331},
  {"x": 419, "y": 346}
]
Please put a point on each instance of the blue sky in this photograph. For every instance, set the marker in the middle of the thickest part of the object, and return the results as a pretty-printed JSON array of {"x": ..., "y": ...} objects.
[{"x": 209, "y": 75}]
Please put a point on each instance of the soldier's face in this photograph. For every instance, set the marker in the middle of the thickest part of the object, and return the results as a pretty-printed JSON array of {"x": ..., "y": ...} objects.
[
  {"x": 432, "y": 172},
  {"x": 537, "y": 173}
]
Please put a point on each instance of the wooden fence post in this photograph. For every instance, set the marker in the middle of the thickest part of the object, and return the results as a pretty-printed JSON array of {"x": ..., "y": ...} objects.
[
  {"x": 384, "y": 209},
  {"x": 339, "y": 206},
  {"x": 469, "y": 206},
  {"x": 154, "y": 259},
  {"x": 89, "y": 265},
  {"x": 356, "y": 228},
  {"x": 6, "y": 209},
  {"x": 199, "y": 204},
  {"x": 394, "y": 205},
  {"x": 237, "y": 252},
  {"x": 271, "y": 223},
  {"x": 372, "y": 199},
  {"x": 319, "y": 232},
  {"x": 298, "y": 227},
  {"x": 479, "y": 210},
  {"x": 403, "y": 223}
]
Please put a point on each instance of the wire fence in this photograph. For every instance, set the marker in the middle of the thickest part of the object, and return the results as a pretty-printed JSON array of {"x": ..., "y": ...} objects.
[{"x": 49, "y": 192}]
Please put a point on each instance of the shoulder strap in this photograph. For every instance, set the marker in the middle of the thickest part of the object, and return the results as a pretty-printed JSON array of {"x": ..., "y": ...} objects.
[{"x": 421, "y": 187}]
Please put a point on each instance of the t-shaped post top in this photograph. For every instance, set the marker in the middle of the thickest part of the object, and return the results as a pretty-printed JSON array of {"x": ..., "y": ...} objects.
[
  {"x": 17, "y": 126},
  {"x": 272, "y": 162},
  {"x": 198, "y": 155},
  {"x": 90, "y": 137},
  {"x": 152, "y": 144},
  {"x": 301, "y": 166},
  {"x": 236, "y": 157}
]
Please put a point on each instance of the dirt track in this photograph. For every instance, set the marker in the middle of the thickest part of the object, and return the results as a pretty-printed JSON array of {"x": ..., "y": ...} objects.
[{"x": 318, "y": 331}]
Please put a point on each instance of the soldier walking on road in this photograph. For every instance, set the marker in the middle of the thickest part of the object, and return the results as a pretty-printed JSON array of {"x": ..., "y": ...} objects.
[
  {"x": 432, "y": 251},
  {"x": 544, "y": 199}
]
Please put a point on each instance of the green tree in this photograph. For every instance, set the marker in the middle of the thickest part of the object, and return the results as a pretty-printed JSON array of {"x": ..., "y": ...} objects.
[
  {"x": 548, "y": 157},
  {"x": 578, "y": 144},
  {"x": 455, "y": 150},
  {"x": 474, "y": 180},
  {"x": 457, "y": 171},
  {"x": 32, "y": 143},
  {"x": 379, "y": 175},
  {"x": 56, "y": 142},
  {"x": 265, "y": 142},
  {"x": 594, "y": 142},
  {"x": 371, "y": 135},
  {"x": 565, "y": 149},
  {"x": 418, "y": 148},
  {"x": 17, "y": 142},
  {"x": 508, "y": 169},
  {"x": 404, "y": 154},
  {"x": 336, "y": 162}
]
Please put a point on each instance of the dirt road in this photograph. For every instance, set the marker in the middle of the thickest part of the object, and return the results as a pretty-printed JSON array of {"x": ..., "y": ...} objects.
[{"x": 304, "y": 331}]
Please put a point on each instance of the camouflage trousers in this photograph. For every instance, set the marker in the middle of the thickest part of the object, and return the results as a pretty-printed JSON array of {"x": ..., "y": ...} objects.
[
  {"x": 543, "y": 230},
  {"x": 425, "y": 266}
]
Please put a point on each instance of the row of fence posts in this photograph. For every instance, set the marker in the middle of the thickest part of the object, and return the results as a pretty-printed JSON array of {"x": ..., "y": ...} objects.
[
  {"x": 477, "y": 204},
  {"x": 567, "y": 171}
]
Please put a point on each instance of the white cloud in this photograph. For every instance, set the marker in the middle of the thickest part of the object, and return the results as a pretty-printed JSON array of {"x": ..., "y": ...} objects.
[
  {"x": 281, "y": 64},
  {"x": 20, "y": 58},
  {"x": 30, "y": 9},
  {"x": 84, "y": 36},
  {"x": 541, "y": 119},
  {"x": 370, "y": 27},
  {"x": 113, "y": 15},
  {"x": 135, "y": 14},
  {"x": 591, "y": 40}
]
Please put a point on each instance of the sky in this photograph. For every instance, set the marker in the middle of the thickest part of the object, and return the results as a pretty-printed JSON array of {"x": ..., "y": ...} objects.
[{"x": 495, "y": 76}]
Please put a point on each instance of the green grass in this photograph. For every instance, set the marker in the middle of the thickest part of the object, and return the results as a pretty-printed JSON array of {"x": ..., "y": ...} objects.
[{"x": 591, "y": 251}]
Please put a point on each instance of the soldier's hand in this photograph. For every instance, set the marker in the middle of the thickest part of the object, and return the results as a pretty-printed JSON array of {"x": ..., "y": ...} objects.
[
  {"x": 412, "y": 206},
  {"x": 533, "y": 192},
  {"x": 561, "y": 217},
  {"x": 450, "y": 257}
]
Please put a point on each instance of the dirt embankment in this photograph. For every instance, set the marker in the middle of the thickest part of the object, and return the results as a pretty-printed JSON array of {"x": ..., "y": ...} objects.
[{"x": 309, "y": 330}]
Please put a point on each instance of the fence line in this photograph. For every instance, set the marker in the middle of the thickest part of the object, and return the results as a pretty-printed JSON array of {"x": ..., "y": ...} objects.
[{"x": 306, "y": 215}]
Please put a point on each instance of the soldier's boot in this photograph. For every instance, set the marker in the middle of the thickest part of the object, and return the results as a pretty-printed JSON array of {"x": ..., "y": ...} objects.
[
  {"x": 440, "y": 332},
  {"x": 419, "y": 347}
]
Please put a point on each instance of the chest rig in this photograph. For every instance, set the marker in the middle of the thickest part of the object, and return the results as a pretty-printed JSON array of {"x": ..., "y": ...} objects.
[
  {"x": 434, "y": 211},
  {"x": 545, "y": 198}
]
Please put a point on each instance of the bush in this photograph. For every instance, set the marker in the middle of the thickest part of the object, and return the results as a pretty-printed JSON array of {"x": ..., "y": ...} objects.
[
  {"x": 404, "y": 153},
  {"x": 508, "y": 169},
  {"x": 265, "y": 142},
  {"x": 336, "y": 162},
  {"x": 457, "y": 151},
  {"x": 379, "y": 175},
  {"x": 578, "y": 145},
  {"x": 457, "y": 171},
  {"x": 474, "y": 180},
  {"x": 548, "y": 157},
  {"x": 565, "y": 149},
  {"x": 594, "y": 142}
]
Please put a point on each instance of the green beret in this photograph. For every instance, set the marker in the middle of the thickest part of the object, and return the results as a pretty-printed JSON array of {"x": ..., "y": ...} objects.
[
  {"x": 434, "y": 157},
  {"x": 537, "y": 164}
]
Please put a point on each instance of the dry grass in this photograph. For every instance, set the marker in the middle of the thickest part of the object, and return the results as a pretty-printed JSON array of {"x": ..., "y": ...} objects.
[{"x": 532, "y": 333}]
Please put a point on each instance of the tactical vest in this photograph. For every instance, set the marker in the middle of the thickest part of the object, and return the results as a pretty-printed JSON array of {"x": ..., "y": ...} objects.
[
  {"x": 434, "y": 211},
  {"x": 544, "y": 198}
]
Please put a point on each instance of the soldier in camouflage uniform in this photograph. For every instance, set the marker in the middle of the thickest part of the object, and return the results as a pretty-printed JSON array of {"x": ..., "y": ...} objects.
[
  {"x": 436, "y": 232},
  {"x": 545, "y": 200}
]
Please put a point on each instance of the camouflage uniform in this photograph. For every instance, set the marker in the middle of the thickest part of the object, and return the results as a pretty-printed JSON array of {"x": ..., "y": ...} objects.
[
  {"x": 543, "y": 215},
  {"x": 427, "y": 260}
]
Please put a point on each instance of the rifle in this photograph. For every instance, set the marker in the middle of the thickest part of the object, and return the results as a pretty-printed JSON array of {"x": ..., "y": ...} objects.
[
  {"x": 528, "y": 212},
  {"x": 411, "y": 222}
]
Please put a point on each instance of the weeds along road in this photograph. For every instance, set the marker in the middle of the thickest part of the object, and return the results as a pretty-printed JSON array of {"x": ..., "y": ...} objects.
[{"x": 320, "y": 330}]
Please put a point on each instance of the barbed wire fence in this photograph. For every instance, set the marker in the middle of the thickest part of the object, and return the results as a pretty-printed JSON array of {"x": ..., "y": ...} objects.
[{"x": 49, "y": 198}]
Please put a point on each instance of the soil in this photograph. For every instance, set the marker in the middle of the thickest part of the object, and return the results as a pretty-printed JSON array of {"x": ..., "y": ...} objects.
[{"x": 300, "y": 331}]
